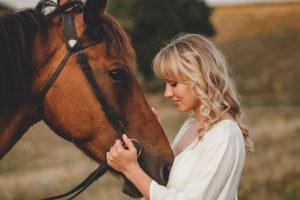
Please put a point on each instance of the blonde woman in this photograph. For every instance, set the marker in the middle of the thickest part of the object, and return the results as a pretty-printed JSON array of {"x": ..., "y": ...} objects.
[{"x": 210, "y": 147}]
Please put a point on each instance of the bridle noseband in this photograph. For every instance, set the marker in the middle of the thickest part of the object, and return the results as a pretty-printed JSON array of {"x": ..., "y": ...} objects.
[{"x": 76, "y": 46}]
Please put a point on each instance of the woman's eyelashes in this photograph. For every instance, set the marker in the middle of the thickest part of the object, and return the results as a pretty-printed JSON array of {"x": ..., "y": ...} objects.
[{"x": 171, "y": 83}]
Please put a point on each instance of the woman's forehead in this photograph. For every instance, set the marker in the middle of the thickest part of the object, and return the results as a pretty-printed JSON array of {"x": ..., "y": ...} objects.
[{"x": 177, "y": 79}]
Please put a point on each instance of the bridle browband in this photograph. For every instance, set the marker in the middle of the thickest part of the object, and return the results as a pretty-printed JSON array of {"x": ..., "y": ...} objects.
[{"x": 76, "y": 46}]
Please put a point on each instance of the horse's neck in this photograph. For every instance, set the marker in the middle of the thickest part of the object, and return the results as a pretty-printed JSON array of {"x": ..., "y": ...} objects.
[{"x": 13, "y": 128}]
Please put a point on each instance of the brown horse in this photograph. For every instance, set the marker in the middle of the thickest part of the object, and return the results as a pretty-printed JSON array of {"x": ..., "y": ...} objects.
[{"x": 33, "y": 44}]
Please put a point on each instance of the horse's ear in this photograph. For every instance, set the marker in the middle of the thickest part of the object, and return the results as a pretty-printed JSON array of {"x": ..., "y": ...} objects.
[{"x": 93, "y": 9}]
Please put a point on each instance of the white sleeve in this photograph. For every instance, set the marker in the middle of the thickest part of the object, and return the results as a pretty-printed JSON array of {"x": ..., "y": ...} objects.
[{"x": 215, "y": 174}]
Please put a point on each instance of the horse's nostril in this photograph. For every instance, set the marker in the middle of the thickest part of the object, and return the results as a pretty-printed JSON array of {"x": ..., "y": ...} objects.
[{"x": 166, "y": 172}]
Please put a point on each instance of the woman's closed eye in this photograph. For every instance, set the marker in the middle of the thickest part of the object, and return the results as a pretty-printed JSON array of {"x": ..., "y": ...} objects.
[
  {"x": 174, "y": 84},
  {"x": 171, "y": 83}
]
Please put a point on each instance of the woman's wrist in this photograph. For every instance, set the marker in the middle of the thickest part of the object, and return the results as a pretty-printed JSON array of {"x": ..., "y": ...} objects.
[
  {"x": 140, "y": 179},
  {"x": 132, "y": 171}
]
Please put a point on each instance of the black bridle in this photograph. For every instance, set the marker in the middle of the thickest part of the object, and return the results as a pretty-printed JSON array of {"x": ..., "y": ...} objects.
[{"x": 76, "y": 46}]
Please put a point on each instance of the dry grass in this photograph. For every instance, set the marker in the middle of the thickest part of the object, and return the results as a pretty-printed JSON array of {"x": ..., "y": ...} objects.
[
  {"x": 262, "y": 44},
  {"x": 239, "y": 22},
  {"x": 273, "y": 171},
  {"x": 42, "y": 164}
]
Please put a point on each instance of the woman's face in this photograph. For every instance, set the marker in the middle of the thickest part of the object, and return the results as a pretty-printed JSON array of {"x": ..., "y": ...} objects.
[{"x": 181, "y": 95}]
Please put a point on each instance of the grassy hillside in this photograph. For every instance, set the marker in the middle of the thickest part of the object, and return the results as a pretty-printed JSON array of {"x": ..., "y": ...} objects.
[{"x": 261, "y": 43}]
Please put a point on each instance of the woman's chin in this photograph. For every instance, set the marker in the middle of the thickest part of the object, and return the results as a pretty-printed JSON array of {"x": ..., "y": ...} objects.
[{"x": 129, "y": 189}]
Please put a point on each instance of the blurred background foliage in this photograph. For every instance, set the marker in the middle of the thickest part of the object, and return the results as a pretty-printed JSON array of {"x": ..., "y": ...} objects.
[
  {"x": 261, "y": 43},
  {"x": 153, "y": 22},
  {"x": 4, "y": 9}
]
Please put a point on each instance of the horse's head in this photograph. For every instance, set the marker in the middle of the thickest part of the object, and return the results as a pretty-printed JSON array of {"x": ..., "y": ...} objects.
[{"x": 70, "y": 106}]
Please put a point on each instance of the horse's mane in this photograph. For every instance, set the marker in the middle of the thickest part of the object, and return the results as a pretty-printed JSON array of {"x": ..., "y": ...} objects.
[{"x": 17, "y": 32}]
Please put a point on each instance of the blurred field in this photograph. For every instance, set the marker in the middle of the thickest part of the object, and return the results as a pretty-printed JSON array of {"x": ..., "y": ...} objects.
[
  {"x": 262, "y": 46},
  {"x": 261, "y": 43}
]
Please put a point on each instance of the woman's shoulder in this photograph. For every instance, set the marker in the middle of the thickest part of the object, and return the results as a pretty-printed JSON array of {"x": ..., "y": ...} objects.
[
  {"x": 225, "y": 129},
  {"x": 187, "y": 123}
]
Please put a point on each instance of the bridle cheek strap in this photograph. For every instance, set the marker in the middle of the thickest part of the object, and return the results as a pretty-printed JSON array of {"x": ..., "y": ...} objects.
[{"x": 75, "y": 45}]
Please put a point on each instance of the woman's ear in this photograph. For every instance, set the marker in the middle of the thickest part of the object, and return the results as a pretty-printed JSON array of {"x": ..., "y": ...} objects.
[{"x": 93, "y": 9}]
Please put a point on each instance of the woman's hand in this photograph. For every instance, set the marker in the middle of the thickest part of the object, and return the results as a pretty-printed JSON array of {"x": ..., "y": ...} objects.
[
  {"x": 125, "y": 161},
  {"x": 157, "y": 115},
  {"x": 121, "y": 159}
]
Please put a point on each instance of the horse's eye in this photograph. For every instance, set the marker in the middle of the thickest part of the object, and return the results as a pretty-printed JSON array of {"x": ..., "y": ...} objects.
[{"x": 118, "y": 74}]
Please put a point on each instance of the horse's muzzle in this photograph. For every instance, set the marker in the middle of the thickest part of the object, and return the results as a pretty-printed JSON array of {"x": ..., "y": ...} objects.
[{"x": 165, "y": 172}]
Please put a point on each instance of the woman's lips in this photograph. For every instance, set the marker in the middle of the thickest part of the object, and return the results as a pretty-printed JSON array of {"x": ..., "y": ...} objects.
[{"x": 176, "y": 102}]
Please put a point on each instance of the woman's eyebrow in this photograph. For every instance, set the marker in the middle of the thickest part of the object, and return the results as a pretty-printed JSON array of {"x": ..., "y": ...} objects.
[{"x": 169, "y": 80}]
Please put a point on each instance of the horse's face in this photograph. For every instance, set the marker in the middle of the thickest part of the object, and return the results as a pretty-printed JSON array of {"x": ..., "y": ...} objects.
[{"x": 72, "y": 110}]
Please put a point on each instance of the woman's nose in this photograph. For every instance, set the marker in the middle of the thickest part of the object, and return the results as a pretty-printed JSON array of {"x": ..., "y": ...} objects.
[{"x": 168, "y": 91}]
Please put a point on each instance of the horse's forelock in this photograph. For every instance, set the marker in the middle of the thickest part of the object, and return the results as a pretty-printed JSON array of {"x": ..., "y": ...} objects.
[{"x": 108, "y": 27}]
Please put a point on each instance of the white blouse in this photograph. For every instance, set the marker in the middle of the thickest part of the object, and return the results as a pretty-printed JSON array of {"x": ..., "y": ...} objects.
[{"x": 208, "y": 169}]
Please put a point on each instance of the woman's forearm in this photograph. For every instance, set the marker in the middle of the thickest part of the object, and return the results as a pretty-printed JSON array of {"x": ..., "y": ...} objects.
[{"x": 140, "y": 179}]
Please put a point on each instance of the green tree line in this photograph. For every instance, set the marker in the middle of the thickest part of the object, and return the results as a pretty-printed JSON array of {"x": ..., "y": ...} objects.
[{"x": 151, "y": 23}]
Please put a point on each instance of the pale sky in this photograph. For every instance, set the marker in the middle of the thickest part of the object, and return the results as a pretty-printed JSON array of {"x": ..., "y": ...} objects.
[{"x": 32, "y": 3}]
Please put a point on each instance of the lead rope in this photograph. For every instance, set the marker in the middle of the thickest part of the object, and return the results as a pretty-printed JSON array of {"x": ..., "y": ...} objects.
[
  {"x": 84, "y": 184},
  {"x": 100, "y": 171}
]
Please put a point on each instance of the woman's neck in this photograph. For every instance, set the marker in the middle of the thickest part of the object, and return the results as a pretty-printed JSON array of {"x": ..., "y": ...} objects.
[
  {"x": 200, "y": 119},
  {"x": 198, "y": 115}
]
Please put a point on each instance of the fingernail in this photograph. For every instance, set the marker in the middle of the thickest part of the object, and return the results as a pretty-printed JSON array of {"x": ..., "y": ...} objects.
[{"x": 125, "y": 136}]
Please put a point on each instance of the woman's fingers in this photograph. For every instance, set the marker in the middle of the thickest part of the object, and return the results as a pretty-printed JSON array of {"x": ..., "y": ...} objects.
[
  {"x": 118, "y": 145},
  {"x": 122, "y": 159},
  {"x": 154, "y": 111},
  {"x": 108, "y": 158},
  {"x": 157, "y": 114},
  {"x": 129, "y": 143},
  {"x": 119, "y": 150}
]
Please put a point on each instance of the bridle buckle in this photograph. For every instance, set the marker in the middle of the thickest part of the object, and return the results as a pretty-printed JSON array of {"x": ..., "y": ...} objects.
[{"x": 76, "y": 6}]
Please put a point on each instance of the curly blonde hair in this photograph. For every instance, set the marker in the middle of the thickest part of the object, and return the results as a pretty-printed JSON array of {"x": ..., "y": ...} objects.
[{"x": 195, "y": 58}]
